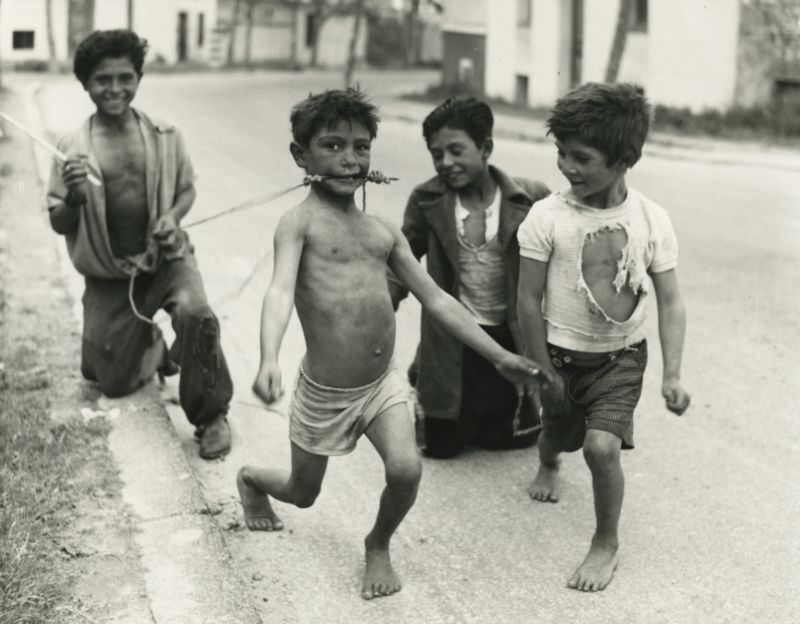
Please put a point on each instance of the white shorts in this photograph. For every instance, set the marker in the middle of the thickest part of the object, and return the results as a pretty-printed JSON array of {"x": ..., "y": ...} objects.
[{"x": 325, "y": 420}]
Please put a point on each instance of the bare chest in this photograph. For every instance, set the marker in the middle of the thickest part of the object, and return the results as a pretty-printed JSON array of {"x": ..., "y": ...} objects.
[
  {"x": 604, "y": 248},
  {"x": 121, "y": 158},
  {"x": 350, "y": 241}
]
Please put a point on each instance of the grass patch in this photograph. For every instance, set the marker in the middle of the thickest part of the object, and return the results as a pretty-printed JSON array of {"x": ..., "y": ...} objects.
[{"x": 43, "y": 476}]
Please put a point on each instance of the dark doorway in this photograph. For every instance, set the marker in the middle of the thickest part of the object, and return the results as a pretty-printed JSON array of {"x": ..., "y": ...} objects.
[{"x": 183, "y": 35}]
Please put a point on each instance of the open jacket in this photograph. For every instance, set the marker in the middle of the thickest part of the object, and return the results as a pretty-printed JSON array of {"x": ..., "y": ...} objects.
[
  {"x": 429, "y": 224},
  {"x": 168, "y": 173}
]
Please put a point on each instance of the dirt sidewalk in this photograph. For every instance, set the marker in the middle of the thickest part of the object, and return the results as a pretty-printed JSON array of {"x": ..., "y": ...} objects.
[{"x": 141, "y": 545}]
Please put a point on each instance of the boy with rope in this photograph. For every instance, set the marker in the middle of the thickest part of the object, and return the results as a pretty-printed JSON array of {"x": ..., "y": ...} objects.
[
  {"x": 330, "y": 262},
  {"x": 123, "y": 235}
]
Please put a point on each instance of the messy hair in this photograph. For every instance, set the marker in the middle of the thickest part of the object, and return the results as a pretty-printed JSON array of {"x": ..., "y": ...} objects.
[
  {"x": 612, "y": 118},
  {"x": 460, "y": 113},
  {"x": 326, "y": 109},
  {"x": 102, "y": 44}
]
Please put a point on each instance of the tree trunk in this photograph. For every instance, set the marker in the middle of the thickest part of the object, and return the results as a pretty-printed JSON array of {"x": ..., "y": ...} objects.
[
  {"x": 1, "y": 60},
  {"x": 232, "y": 33},
  {"x": 320, "y": 15},
  {"x": 51, "y": 44},
  {"x": 620, "y": 37},
  {"x": 412, "y": 35},
  {"x": 248, "y": 33},
  {"x": 358, "y": 12}
]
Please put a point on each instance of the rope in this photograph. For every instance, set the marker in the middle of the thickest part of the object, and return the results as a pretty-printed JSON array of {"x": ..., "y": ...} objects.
[{"x": 375, "y": 177}]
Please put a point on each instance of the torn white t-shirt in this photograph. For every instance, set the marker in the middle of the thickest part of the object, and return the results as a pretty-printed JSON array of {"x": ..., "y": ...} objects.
[{"x": 556, "y": 230}]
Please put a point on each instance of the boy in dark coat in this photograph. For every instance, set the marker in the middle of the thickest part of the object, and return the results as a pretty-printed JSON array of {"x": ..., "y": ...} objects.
[{"x": 465, "y": 221}]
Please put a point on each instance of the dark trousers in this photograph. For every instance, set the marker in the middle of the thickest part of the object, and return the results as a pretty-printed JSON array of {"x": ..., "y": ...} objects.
[
  {"x": 122, "y": 352},
  {"x": 492, "y": 415}
]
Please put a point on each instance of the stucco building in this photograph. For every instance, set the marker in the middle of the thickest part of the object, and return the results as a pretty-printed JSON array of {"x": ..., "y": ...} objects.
[{"x": 684, "y": 53}]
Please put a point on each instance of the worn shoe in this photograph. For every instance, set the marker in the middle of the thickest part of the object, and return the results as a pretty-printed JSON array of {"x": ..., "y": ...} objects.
[{"x": 215, "y": 440}]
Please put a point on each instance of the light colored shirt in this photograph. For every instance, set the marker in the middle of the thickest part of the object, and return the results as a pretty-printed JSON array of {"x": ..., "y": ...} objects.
[
  {"x": 556, "y": 231},
  {"x": 482, "y": 268}
]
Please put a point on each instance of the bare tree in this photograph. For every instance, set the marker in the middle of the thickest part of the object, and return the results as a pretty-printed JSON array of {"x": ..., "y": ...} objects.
[
  {"x": 234, "y": 26},
  {"x": 358, "y": 16},
  {"x": 412, "y": 33},
  {"x": 52, "y": 64},
  {"x": 620, "y": 38},
  {"x": 321, "y": 13},
  {"x": 779, "y": 28},
  {"x": 1, "y": 60},
  {"x": 248, "y": 31}
]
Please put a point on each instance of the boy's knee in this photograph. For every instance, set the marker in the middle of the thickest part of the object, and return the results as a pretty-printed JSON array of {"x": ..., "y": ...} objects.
[
  {"x": 404, "y": 472},
  {"x": 305, "y": 496},
  {"x": 601, "y": 449}
]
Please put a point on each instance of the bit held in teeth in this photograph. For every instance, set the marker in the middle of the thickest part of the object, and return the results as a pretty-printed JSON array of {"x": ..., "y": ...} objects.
[{"x": 376, "y": 177}]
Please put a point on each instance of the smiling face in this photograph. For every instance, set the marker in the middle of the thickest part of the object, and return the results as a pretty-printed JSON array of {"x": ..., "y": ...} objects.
[
  {"x": 592, "y": 180},
  {"x": 341, "y": 151},
  {"x": 112, "y": 86},
  {"x": 456, "y": 157}
]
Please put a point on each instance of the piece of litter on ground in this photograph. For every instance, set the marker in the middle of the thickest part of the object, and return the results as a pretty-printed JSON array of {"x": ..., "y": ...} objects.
[{"x": 88, "y": 414}]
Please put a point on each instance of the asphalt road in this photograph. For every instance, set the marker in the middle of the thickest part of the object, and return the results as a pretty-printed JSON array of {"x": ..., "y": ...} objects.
[{"x": 709, "y": 529}]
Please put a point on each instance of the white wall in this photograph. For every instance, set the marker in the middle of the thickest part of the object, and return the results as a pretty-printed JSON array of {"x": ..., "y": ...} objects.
[
  {"x": 469, "y": 15},
  {"x": 693, "y": 52},
  {"x": 30, "y": 15},
  {"x": 545, "y": 64},
  {"x": 155, "y": 20},
  {"x": 501, "y": 52},
  {"x": 687, "y": 57}
]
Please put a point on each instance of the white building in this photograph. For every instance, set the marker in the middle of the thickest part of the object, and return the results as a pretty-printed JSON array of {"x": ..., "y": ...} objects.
[
  {"x": 175, "y": 29},
  {"x": 283, "y": 32},
  {"x": 684, "y": 53}
]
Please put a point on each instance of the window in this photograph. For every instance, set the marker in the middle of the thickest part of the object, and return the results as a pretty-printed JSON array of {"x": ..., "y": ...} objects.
[
  {"x": 201, "y": 29},
  {"x": 22, "y": 40},
  {"x": 524, "y": 11},
  {"x": 638, "y": 16}
]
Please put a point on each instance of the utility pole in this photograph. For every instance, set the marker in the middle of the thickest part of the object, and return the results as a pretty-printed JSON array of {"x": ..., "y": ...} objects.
[{"x": 130, "y": 14}]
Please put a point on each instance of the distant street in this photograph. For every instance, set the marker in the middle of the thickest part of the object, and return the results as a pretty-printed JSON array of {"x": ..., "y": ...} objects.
[{"x": 710, "y": 520}]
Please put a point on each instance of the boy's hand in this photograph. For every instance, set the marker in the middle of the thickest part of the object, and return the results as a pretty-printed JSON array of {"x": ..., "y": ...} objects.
[
  {"x": 519, "y": 370},
  {"x": 554, "y": 396},
  {"x": 75, "y": 175},
  {"x": 676, "y": 397},
  {"x": 166, "y": 230},
  {"x": 268, "y": 385}
]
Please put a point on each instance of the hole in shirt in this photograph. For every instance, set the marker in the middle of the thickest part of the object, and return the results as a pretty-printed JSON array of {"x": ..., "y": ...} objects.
[{"x": 606, "y": 266}]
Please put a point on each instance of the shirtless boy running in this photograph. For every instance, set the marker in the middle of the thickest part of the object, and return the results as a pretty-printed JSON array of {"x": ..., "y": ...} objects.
[{"x": 330, "y": 261}]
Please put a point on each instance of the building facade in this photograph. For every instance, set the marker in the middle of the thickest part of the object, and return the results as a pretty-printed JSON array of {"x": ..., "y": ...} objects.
[
  {"x": 176, "y": 30},
  {"x": 684, "y": 53}
]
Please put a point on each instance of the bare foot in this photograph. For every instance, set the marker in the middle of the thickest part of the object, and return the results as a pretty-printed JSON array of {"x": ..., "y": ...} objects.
[
  {"x": 597, "y": 570},
  {"x": 380, "y": 579},
  {"x": 258, "y": 514},
  {"x": 545, "y": 486}
]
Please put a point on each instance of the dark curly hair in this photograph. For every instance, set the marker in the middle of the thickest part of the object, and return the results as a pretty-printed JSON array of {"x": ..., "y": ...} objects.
[
  {"x": 612, "y": 118},
  {"x": 461, "y": 113},
  {"x": 326, "y": 109},
  {"x": 102, "y": 44}
]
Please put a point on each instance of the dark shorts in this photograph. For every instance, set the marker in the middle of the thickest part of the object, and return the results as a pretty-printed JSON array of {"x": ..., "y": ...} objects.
[{"x": 602, "y": 391}]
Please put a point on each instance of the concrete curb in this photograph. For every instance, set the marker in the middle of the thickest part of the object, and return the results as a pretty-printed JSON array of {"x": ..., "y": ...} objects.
[{"x": 188, "y": 569}]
